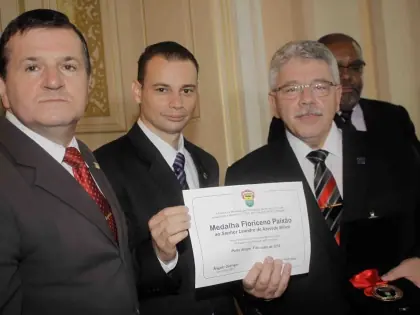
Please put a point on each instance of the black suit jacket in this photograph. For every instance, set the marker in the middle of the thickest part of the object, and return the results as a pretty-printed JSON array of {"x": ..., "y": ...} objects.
[
  {"x": 57, "y": 254},
  {"x": 378, "y": 177},
  {"x": 145, "y": 184},
  {"x": 382, "y": 118}
]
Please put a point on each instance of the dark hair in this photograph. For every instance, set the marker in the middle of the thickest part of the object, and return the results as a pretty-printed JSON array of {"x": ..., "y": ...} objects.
[
  {"x": 39, "y": 18},
  {"x": 167, "y": 50},
  {"x": 338, "y": 38}
]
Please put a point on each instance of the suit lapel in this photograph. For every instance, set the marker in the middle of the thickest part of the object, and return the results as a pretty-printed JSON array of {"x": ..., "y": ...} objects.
[
  {"x": 161, "y": 175},
  {"x": 50, "y": 175},
  {"x": 354, "y": 174},
  {"x": 368, "y": 115},
  {"x": 168, "y": 191},
  {"x": 106, "y": 190},
  {"x": 202, "y": 170},
  {"x": 285, "y": 167}
]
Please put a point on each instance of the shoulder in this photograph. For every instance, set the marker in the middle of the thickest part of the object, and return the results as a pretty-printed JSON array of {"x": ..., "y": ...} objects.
[
  {"x": 251, "y": 165},
  {"x": 253, "y": 157},
  {"x": 382, "y": 106},
  {"x": 112, "y": 150},
  {"x": 198, "y": 153}
]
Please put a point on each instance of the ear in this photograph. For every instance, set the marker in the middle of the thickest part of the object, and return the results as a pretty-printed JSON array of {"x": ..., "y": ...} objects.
[
  {"x": 3, "y": 94},
  {"x": 273, "y": 105},
  {"x": 136, "y": 90},
  {"x": 90, "y": 84}
]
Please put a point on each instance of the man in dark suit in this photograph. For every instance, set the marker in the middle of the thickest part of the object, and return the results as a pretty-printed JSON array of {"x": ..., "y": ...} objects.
[
  {"x": 380, "y": 117},
  {"x": 361, "y": 193},
  {"x": 150, "y": 166},
  {"x": 63, "y": 239}
]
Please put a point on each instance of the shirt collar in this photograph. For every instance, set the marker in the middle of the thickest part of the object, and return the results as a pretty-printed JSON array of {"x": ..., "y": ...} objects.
[
  {"x": 333, "y": 144},
  {"x": 357, "y": 108},
  {"x": 56, "y": 150},
  {"x": 167, "y": 151}
]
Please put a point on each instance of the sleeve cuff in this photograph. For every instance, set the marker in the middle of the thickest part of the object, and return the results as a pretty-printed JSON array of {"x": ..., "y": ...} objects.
[{"x": 169, "y": 266}]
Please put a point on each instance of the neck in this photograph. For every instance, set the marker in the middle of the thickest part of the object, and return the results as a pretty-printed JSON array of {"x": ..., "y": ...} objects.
[
  {"x": 61, "y": 135},
  {"x": 318, "y": 142},
  {"x": 171, "y": 138}
]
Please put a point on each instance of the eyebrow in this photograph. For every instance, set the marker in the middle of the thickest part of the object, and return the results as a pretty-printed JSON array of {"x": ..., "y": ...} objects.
[
  {"x": 32, "y": 58},
  {"x": 182, "y": 87},
  {"x": 354, "y": 62},
  {"x": 316, "y": 80}
]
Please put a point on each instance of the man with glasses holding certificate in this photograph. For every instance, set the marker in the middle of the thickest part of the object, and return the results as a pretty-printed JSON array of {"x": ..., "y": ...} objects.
[{"x": 361, "y": 194}]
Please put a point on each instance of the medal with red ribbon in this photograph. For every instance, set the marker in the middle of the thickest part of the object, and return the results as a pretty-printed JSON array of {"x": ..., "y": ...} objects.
[{"x": 373, "y": 286}]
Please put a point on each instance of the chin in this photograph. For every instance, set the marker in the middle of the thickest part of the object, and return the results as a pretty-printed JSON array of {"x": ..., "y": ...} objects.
[{"x": 57, "y": 121}]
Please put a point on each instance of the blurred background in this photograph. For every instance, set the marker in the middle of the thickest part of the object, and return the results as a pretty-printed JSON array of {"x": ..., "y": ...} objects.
[{"x": 233, "y": 41}]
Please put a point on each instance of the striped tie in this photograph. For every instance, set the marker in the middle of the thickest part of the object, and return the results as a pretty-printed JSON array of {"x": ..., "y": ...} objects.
[
  {"x": 179, "y": 171},
  {"x": 326, "y": 192}
]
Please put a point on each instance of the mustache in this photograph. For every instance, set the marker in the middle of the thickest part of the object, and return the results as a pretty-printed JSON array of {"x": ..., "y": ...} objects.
[
  {"x": 351, "y": 86},
  {"x": 310, "y": 111}
]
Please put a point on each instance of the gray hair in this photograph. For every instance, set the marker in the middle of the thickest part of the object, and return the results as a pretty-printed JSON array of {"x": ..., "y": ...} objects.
[{"x": 306, "y": 49}]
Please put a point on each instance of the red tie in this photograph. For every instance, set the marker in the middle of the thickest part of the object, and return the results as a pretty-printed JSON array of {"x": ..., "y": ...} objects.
[
  {"x": 327, "y": 193},
  {"x": 81, "y": 173}
]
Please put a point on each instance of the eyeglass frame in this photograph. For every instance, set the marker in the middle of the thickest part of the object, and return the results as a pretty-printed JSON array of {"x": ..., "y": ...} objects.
[{"x": 303, "y": 86}]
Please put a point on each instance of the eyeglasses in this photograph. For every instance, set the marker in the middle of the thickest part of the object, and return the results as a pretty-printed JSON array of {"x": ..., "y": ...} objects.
[
  {"x": 355, "y": 67},
  {"x": 292, "y": 91}
]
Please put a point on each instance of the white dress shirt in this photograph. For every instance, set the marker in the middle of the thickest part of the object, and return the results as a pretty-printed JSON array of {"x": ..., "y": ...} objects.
[
  {"x": 357, "y": 118},
  {"x": 57, "y": 151},
  {"x": 333, "y": 144},
  {"x": 169, "y": 154}
]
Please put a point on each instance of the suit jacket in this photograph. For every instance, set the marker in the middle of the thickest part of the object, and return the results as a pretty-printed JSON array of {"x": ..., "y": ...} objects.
[
  {"x": 57, "y": 254},
  {"x": 145, "y": 184},
  {"x": 378, "y": 178},
  {"x": 382, "y": 118}
]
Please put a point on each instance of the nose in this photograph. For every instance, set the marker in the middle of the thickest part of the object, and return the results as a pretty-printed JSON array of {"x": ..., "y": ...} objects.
[
  {"x": 344, "y": 73},
  {"x": 306, "y": 96},
  {"x": 176, "y": 100},
  {"x": 53, "y": 79}
]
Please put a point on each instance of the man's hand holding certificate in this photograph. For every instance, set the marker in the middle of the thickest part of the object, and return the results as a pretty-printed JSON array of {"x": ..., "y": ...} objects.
[{"x": 234, "y": 227}]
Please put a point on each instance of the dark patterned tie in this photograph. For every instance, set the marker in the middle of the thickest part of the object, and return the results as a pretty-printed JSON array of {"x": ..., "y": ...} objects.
[
  {"x": 179, "y": 171},
  {"x": 326, "y": 192},
  {"x": 81, "y": 173}
]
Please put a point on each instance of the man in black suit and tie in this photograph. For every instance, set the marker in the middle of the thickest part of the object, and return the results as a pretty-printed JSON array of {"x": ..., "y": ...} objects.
[
  {"x": 361, "y": 193},
  {"x": 150, "y": 166},
  {"x": 63, "y": 239},
  {"x": 363, "y": 114}
]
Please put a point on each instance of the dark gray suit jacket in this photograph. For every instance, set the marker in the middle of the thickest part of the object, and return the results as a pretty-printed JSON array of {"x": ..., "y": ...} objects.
[{"x": 57, "y": 254}]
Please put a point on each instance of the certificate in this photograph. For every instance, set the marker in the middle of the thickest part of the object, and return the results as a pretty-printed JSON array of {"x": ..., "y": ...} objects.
[{"x": 233, "y": 227}]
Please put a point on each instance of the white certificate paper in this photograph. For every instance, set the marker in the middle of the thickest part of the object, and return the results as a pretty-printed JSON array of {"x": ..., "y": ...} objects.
[{"x": 233, "y": 227}]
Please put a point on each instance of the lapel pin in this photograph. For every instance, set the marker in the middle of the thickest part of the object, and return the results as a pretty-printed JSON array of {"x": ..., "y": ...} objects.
[
  {"x": 372, "y": 215},
  {"x": 361, "y": 160},
  {"x": 96, "y": 165}
]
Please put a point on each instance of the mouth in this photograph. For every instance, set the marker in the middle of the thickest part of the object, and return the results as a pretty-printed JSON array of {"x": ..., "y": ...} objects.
[
  {"x": 308, "y": 117},
  {"x": 348, "y": 89},
  {"x": 53, "y": 100},
  {"x": 175, "y": 118}
]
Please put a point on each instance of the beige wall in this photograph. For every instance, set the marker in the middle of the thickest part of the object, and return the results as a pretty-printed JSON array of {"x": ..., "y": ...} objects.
[
  {"x": 386, "y": 29},
  {"x": 233, "y": 41},
  {"x": 120, "y": 30}
]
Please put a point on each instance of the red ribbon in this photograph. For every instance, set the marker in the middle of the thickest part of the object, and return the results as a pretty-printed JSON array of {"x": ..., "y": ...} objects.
[{"x": 367, "y": 280}]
